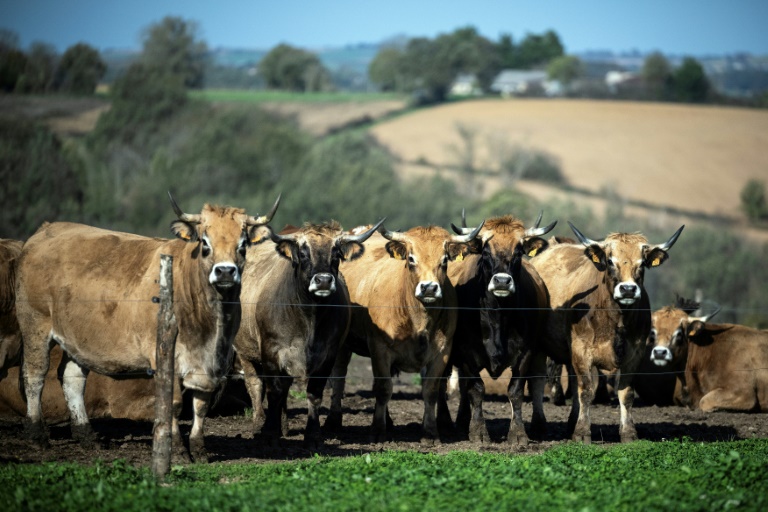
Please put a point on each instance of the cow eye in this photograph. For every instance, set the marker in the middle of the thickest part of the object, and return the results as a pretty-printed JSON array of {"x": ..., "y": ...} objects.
[
  {"x": 444, "y": 262},
  {"x": 206, "y": 248},
  {"x": 411, "y": 260}
]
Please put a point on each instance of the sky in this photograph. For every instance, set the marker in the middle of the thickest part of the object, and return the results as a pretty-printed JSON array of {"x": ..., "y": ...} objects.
[{"x": 675, "y": 27}]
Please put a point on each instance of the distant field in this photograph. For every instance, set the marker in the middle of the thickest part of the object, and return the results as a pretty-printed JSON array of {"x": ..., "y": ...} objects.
[
  {"x": 263, "y": 96},
  {"x": 695, "y": 158}
]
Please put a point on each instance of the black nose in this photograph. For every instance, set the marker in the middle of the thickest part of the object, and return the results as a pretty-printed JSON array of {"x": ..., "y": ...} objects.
[
  {"x": 628, "y": 289},
  {"x": 225, "y": 272},
  {"x": 659, "y": 352},
  {"x": 502, "y": 280},
  {"x": 429, "y": 289},
  {"x": 323, "y": 281}
]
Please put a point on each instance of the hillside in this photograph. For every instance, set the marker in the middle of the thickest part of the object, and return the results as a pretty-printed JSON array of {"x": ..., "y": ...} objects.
[{"x": 694, "y": 159}]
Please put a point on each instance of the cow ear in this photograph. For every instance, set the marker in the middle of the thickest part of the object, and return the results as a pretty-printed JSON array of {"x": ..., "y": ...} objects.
[
  {"x": 694, "y": 329},
  {"x": 458, "y": 251},
  {"x": 184, "y": 231},
  {"x": 351, "y": 250},
  {"x": 258, "y": 234},
  {"x": 596, "y": 255},
  {"x": 534, "y": 246},
  {"x": 396, "y": 250},
  {"x": 287, "y": 250},
  {"x": 655, "y": 257}
]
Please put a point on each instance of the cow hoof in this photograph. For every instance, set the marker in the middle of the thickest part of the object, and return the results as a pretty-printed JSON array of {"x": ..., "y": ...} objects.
[
  {"x": 517, "y": 439},
  {"x": 628, "y": 437},
  {"x": 429, "y": 440},
  {"x": 558, "y": 399},
  {"x": 478, "y": 435},
  {"x": 332, "y": 422},
  {"x": 585, "y": 438},
  {"x": 86, "y": 437},
  {"x": 37, "y": 434},
  {"x": 313, "y": 443},
  {"x": 379, "y": 437},
  {"x": 180, "y": 455}
]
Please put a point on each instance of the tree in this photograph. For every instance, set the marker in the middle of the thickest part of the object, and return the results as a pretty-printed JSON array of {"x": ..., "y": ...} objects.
[
  {"x": 657, "y": 75},
  {"x": 40, "y": 70},
  {"x": 289, "y": 68},
  {"x": 565, "y": 69},
  {"x": 536, "y": 50},
  {"x": 80, "y": 69},
  {"x": 385, "y": 70},
  {"x": 172, "y": 46},
  {"x": 753, "y": 200},
  {"x": 12, "y": 60},
  {"x": 690, "y": 82},
  {"x": 507, "y": 52}
]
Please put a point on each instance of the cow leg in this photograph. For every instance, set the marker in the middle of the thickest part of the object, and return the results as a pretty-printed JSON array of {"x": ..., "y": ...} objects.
[
  {"x": 201, "y": 400},
  {"x": 724, "y": 399},
  {"x": 581, "y": 383},
  {"x": 338, "y": 376},
  {"x": 515, "y": 392},
  {"x": 35, "y": 364},
  {"x": 179, "y": 454},
  {"x": 536, "y": 384},
  {"x": 382, "y": 391},
  {"x": 464, "y": 413},
  {"x": 255, "y": 388},
  {"x": 429, "y": 390},
  {"x": 276, "y": 423},
  {"x": 73, "y": 379},
  {"x": 476, "y": 429},
  {"x": 626, "y": 395},
  {"x": 444, "y": 422},
  {"x": 313, "y": 437},
  {"x": 554, "y": 380}
]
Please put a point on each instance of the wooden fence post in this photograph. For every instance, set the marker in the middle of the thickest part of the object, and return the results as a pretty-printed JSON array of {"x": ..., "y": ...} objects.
[{"x": 167, "y": 329}]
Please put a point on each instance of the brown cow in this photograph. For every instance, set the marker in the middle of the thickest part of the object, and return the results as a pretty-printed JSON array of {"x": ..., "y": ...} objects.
[
  {"x": 90, "y": 290},
  {"x": 403, "y": 316},
  {"x": 502, "y": 308},
  {"x": 10, "y": 336},
  {"x": 726, "y": 365},
  {"x": 295, "y": 316},
  {"x": 601, "y": 310}
]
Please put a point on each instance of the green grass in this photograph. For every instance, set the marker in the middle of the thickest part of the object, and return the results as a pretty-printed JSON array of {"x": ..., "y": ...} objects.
[
  {"x": 264, "y": 96},
  {"x": 670, "y": 475}
]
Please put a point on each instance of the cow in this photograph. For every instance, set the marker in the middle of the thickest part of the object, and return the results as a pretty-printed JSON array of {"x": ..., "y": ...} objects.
[
  {"x": 600, "y": 309},
  {"x": 403, "y": 317},
  {"x": 502, "y": 303},
  {"x": 726, "y": 365},
  {"x": 296, "y": 313},
  {"x": 90, "y": 291},
  {"x": 659, "y": 379},
  {"x": 10, "y": 336}
]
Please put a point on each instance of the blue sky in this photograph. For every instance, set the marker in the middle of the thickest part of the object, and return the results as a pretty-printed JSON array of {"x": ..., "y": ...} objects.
[{"x": 681, "y": 27}]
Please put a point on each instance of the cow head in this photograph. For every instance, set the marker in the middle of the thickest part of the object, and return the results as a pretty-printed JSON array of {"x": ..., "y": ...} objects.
[
  {"x": 673, "y": 327},
  {"x": 623, "y": 257},
  {"x": 316, "y": 250},
  {"x": 502, "y": 243},
  {"x": 426, "y": 252},
  {"x": 221, "y": 235}
]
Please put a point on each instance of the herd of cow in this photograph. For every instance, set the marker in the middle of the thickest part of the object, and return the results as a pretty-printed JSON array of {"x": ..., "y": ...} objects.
[{"x": 298, "y": 303}]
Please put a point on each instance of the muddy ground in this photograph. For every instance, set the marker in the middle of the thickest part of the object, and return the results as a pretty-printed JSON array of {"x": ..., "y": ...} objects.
[{"x": 230, "y": 438}]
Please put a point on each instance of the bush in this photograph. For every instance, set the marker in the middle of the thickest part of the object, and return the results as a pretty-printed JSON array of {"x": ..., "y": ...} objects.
[{"x": 753, "y": 201}]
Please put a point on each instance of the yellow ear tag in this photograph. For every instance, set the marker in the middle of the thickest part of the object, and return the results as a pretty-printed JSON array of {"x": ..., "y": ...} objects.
[
  {"x": 186, "y": 237},
  {"x": 656, "y": 262},
  {"x": 460, "y": 257},
  {"x": 691, "y": 333},
  {"x": 533, "y": 253},
  {"x": 595, "y": 258},
  {"x": 397, "y": 256}
]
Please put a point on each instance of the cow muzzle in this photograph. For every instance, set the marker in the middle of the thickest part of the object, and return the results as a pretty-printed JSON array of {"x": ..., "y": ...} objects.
[
  {"x": 428, "y": 291},
  {"x": 626, "y": 293},
  {"x": 224, "y": 276},
  {"x": 322, "y": 284},
  {"x": 501, "y": 285},
  {"x": 660, "y": 356}
]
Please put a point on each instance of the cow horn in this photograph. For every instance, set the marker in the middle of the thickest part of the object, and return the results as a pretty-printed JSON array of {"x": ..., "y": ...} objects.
[
  {"x": 463, "y": 218},
  {"x": 669, "y": 243},
  {"x": 584, "y": 240},
  {"x": 186, "y": 217},
  {"x": 362, "y": 237},
  {"x": 706, "y": 318},
  {"x": 537, "y": 231},
  {"x": 392, "y": 235},
  {"x": 464, "y": 238},
  {"x": 538, "y": 221},
  {"x": 463, "y": 230},
  {"x": 264, "y": 219}
]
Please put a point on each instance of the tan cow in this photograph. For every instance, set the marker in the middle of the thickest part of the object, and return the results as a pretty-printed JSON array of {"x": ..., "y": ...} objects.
[
  {"x": 295, "y": 315},
  {"x": 90, "y": 290},
  {"x": 601, "y": 310},
  {"x": 726, "y": 365},
  {"x": 403, "y": 316},
  {"x": 10, "y": 336}
]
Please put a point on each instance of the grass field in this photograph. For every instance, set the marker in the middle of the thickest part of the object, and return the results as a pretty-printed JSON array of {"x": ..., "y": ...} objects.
[{"x": 674, "y": 475}]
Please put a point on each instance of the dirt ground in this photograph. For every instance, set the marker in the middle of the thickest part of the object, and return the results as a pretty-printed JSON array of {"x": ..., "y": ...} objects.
[{"x": 230, "y": 438}]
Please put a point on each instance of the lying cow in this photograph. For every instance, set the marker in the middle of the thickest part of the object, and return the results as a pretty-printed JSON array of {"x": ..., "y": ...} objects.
[
  {"x": 600, "y": 309},
  {"x": 295, "y": 315},
  {"x": 502, "y": 308},
  {"x": 10, "y": 336},
  {"x": 726, "y": 365},
  {"x": 90, "y": 291},
  {"x": 403, "y": 316}
]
